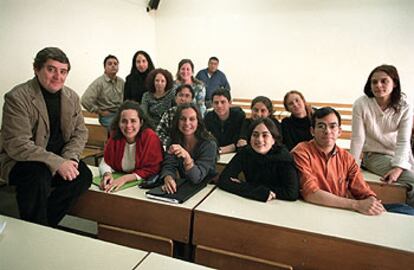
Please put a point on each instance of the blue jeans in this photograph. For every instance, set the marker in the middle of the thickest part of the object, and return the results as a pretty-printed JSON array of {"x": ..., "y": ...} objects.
[
  {"x": 400, "y": 208},
  {"x": 106, "y": 121}
]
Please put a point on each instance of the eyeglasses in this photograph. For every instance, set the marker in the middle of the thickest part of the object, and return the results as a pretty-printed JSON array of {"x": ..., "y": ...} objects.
[{"x": 324, "y": 127}]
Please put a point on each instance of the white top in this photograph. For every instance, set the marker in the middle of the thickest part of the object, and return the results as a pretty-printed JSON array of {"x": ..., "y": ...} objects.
[
  {"x": 128, "y": 161},
  {"x": 388, "y": 229},
  {"x": 156, "y": 261},
  {"x": 385, "y": 132},
  {"x": 25, "y": 245}
]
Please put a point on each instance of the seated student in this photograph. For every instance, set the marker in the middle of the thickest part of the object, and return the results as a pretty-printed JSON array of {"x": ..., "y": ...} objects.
[
  {"x": 160, "y": 96},
  {"x": 261, "y": 107},
  {"x": 193, "y": 151},
  {"x": 135, "y": 86},
  {"x": 224, "y": 122},
  {"x": 104, "y": 95},
  {"x": 184, "y": 75},
  {"x": 381, "y": 127},
  {"x": 329, "y": 174},
  {"x": 183, "y": 94},
  {"x": 296, "y": 127},
  {"x": 133, "y": 148},
  {"x": 267, "y": 165},
  {"x": 213, "y": 78}
]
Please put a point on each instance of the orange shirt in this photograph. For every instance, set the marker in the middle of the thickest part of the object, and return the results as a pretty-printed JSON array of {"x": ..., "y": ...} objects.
[{"x": 337, "y": 173}]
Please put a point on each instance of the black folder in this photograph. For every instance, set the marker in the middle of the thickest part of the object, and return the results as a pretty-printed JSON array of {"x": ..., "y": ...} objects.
[{"x": 185, "y": 190}]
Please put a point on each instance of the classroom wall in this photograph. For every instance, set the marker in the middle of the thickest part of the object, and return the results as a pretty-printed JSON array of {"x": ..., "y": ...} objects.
[
  {"x": 323, "y": 48},
  {"x": 87, "y": 31}
]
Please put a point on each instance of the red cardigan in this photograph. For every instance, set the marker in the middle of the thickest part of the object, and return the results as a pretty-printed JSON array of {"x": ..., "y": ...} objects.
[{"x": 148, "y": 157}]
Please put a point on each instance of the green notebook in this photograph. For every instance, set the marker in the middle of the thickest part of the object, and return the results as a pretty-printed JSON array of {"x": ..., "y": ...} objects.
[{"x": 97, "y": 180}]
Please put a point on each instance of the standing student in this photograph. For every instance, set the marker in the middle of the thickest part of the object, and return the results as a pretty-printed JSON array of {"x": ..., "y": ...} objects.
[
  {"x": 43, "y": 135},
  {"x": 261, "y": 107},
  {"x": 267, "y": 165},
  {"x": 104, "y": 95},
  {"x": 193, "y": 151},
  {"x": 213, "y": 79},
  {"x": 381, "y": 126},
  {"x": 160, "y": 95},
  {"x": 329, "y": 174},
  {"x": 185, "y": 74},
  {"x": 133, "y": 148},
  {"x": 135, "y": 86},
  {"x": 296, "y": 127},
  {"x": 183, "y": 94},
  {"x": 224, "y": 122}
]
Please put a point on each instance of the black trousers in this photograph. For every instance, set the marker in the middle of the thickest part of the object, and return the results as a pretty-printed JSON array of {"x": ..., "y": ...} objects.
[{"x": 43, "y": 198}]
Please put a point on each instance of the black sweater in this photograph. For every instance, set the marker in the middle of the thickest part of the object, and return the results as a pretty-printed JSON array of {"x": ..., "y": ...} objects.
[
  {"x": 228, "y": 131},
  {"x": 274, "y": 171},
  {"x": 135, "y": 86},
  {"x": 295, "y": 130}
]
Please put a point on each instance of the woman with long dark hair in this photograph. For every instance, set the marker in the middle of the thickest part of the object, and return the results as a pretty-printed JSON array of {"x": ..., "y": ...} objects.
[
  {"x": 267, "y": 165},
  {"x": 381, "y": 126},
  {"x": 135, "y": 85},
  {"x": 133, "y": 148},
  {"x": 192, "y": 152}
]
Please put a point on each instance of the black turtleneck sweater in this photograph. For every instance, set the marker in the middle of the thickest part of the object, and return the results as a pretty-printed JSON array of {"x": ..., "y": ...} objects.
[
  {"x": 274, "y": 171},
  {"x": 56, "y": 142},
  {"x": 295, "y": 130},
  {"x": 135, "y": 86}
]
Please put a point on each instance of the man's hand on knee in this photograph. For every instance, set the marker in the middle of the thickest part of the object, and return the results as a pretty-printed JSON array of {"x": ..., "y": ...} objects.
[{"x": 68, "y": 170}]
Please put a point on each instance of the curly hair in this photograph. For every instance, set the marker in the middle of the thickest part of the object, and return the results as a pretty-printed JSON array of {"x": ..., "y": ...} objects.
[{"x": 150, "y": 81}]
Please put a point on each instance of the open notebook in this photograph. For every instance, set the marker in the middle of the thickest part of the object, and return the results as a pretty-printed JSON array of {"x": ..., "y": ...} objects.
[
  {"x": 97, "y": 180},
  {"x": 185, "y": 190}
]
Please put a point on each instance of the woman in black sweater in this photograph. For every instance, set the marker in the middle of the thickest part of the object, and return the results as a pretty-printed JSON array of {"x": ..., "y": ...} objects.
[
  {"x": 296, "y": 127},
  {"x": 267, "y": 165}
]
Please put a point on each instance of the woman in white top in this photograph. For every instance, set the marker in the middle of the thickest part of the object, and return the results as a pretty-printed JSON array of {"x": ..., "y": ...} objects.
[
  {"x": 133, "y": 148},
  {"x": 381, "y": 129}
]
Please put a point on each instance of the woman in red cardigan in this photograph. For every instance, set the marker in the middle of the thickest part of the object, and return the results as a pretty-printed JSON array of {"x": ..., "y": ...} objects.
[{"x": 133, "y": 148}]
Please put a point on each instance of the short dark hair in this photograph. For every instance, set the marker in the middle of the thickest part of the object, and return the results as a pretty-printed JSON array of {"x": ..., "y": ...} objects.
[
  {"x": 271, "y": 126},
  {"x": 128, "y": 105},
  {"x": 322, "y": 112},
  {"x": 396, "y": 92},
  {"x": 184, "y": 86},
  {"x": 110, "y": 56},
  {"x": 266, "y": 101},
  {"x": 47, "y": 53},
  {"x": 151, "y": 78},
  {"x": 221, "y": 92},
  {"x": 213, "y": 58}
]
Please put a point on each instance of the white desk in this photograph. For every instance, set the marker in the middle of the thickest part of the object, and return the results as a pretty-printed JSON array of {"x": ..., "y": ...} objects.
[
  {"x": 304, "y": 235},
  {"x": 25, "y": 245},
  {"x": 128, "y": 217},
  {"x": 156, "y": 261}
]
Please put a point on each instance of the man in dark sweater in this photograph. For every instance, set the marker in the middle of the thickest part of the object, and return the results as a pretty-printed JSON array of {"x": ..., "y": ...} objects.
[
  {"x": 224, "y": 122},
  {"x": 43, "y": 135}
]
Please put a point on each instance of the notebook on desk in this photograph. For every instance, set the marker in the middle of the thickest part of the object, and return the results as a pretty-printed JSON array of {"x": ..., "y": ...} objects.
[
  {"x": 185, "y": 190},
  {"x": 97, "y": 181}
]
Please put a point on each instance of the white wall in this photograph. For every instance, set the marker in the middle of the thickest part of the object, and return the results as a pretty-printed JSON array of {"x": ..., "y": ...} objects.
[
  {"x": 325, "y": 49},
  {"x": 87, "y": 31}
]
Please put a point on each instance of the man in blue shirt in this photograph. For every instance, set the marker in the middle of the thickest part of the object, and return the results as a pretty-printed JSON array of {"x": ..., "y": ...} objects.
[{"x": 212, "y": 78}]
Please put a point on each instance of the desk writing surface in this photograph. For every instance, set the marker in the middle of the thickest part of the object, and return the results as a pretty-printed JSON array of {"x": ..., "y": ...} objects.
[
  {"x": 155, "y": 261},
  {"x": 137, "y": 193},
  {"x": 25, "y": 245},
  {"x": 225, "y": 158},
  {"x": 388, "y": 229}
]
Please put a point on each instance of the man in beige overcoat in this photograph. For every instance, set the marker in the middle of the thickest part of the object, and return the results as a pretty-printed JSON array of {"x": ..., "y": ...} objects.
[{"x": 43, "y": 134}]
